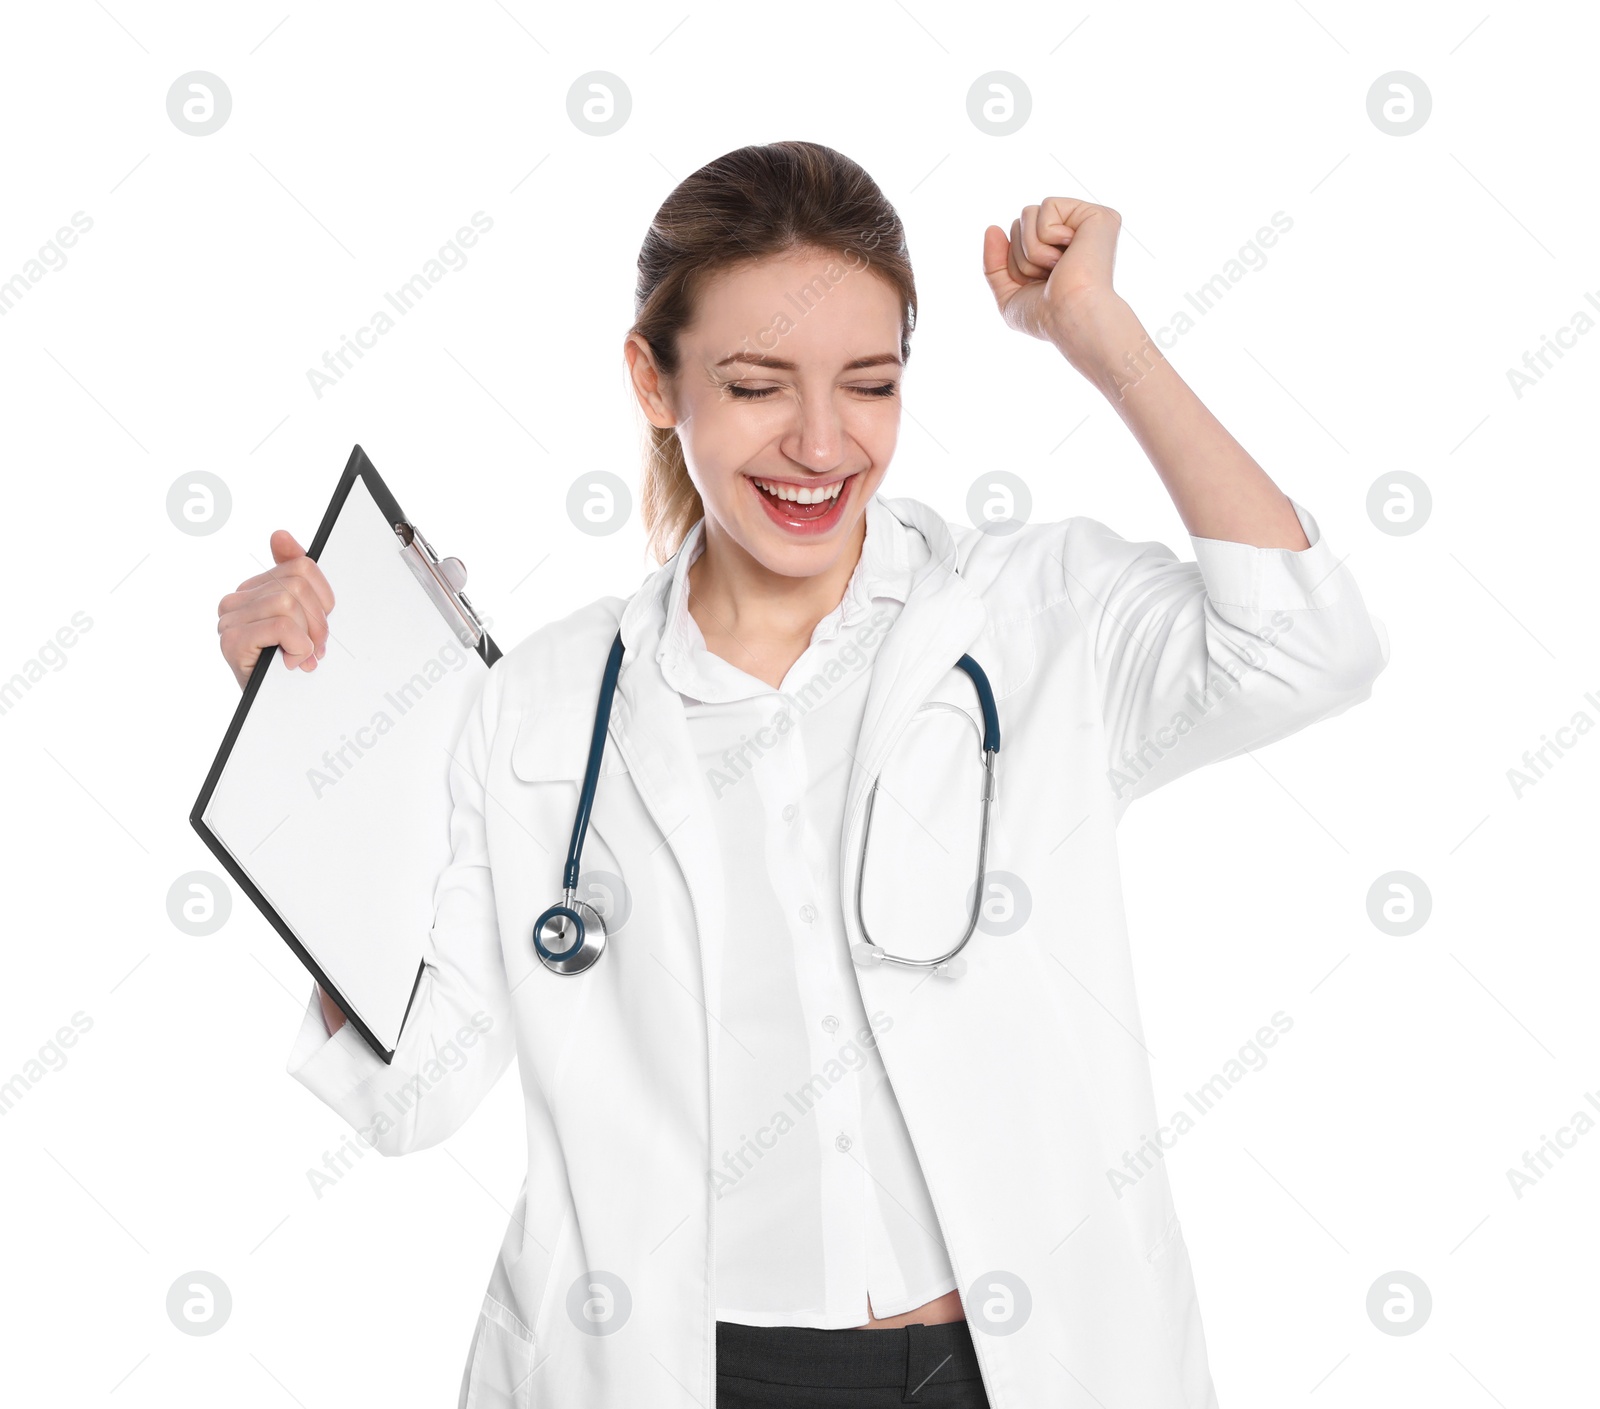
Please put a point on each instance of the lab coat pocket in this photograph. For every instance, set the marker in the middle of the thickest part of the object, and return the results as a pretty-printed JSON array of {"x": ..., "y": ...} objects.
[
  {"x": 500, "y": 1370},
  {"x": 552, "y": 745},
  {"x": 550, "y": 752}
]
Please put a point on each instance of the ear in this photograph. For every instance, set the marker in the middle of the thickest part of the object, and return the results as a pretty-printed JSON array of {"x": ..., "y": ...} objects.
[{"x": 649, "y": 384}]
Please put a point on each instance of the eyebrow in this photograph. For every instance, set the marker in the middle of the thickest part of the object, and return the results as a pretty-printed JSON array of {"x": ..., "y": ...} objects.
[{"x": 759, "y": 360}]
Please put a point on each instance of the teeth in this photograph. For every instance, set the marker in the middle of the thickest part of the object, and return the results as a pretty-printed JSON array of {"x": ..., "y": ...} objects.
[{"x": 795, "y": 494}]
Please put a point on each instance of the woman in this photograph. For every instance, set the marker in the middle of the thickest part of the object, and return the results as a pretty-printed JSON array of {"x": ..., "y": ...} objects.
[{"x": 759, "y": 1172}]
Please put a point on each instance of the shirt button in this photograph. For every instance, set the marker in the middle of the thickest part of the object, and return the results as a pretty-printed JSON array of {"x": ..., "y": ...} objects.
[
  {"x": 830, "y": 1023},
  {"x": 808, "y": 913},
  {"x": 842, "y": 1144},
  {"x": 790, "y": 811}
]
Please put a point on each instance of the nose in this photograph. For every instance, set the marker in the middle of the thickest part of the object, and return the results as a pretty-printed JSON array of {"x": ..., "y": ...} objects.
[{"x": 817, "y": 440}]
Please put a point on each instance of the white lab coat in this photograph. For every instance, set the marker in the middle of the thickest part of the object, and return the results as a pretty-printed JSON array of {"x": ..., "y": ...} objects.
[{"x": 1021, "y": 1081}]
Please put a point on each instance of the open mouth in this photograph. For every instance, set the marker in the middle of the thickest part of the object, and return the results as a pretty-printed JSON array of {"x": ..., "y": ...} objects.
[{"x": 803, "y": 508}]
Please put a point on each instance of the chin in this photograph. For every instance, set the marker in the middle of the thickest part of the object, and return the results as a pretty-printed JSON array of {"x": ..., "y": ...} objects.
[{"x": 787, "y": 559}]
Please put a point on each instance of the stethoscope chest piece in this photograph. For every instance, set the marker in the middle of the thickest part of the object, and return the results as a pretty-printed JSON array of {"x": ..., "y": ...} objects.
[{"x": 569, "y": 936}]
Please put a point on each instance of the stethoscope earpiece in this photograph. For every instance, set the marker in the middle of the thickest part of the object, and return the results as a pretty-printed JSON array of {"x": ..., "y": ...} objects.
[
  {"x": 569, "y": 936},
  {"x": 870, "y": 956}
]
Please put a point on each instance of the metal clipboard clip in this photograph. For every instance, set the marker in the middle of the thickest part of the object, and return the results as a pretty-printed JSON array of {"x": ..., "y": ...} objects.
[{"x": 442, "y": 579}]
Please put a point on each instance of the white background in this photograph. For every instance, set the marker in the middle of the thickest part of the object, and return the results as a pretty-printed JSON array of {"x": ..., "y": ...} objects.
[{"x": 1377, "y": 338}]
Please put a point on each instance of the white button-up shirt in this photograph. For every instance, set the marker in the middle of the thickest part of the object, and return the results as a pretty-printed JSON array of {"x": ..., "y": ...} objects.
[{"x": 820, "y": 1201}]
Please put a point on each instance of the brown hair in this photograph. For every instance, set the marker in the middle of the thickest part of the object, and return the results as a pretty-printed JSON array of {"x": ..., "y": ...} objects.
[{"x": 748, "y": 205}]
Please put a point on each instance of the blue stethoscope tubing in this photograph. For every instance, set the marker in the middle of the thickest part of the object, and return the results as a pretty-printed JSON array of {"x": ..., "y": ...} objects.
[
  {"x": 570, "y": 916},
  {"x": 580, "y": 928}
]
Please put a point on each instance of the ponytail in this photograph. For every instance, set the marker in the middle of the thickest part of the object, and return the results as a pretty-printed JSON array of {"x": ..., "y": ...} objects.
[{"x": 668, "y": 501}]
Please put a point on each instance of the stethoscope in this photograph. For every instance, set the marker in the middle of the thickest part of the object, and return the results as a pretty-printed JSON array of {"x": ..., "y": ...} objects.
[{"x": 571, "y": 935}]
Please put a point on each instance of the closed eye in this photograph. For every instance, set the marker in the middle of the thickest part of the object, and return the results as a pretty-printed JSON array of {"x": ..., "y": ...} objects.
[{"x": 754, "y": 393}]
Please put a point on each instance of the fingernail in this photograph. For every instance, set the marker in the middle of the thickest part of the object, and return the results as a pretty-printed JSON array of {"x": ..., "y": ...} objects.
[{"x": 322, "y": 650}]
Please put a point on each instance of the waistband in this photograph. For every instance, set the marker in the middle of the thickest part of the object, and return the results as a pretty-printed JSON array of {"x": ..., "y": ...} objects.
[{"x": 911, "y": 1357}]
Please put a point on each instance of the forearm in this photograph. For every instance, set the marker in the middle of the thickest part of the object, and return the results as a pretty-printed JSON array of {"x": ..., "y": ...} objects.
[{"x": 1219, "y": 491}]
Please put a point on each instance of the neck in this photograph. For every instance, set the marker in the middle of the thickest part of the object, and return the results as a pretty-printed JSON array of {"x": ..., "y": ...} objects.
[{"x": 757, "y": 619}]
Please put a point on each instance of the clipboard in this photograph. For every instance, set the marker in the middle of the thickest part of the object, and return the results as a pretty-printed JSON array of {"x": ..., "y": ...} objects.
[{"x": 328, "y": 801}]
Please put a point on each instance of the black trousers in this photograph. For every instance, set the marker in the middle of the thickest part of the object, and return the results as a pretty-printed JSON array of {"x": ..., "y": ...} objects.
[{"x": 796, "y": 1367}]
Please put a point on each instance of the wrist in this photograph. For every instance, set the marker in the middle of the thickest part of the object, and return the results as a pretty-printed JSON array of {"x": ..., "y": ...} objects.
[{"x": 1104, "y": 340}]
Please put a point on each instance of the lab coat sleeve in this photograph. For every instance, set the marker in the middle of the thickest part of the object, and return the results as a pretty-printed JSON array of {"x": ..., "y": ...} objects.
[
  {"x": 457, "y": 1039},
  {"x": 1199, "y": 661}
]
